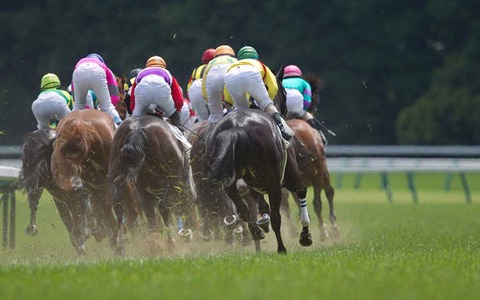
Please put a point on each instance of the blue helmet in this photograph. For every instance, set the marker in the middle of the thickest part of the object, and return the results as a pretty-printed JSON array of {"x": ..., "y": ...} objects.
[{"x": 96, "y": 56}]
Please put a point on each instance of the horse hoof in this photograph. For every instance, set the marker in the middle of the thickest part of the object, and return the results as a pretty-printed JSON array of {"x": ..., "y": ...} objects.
[
  {"x": 334, "y": 232},
  {"x": 282, "y": 250},
  {"x": 256, "y": 233},
  {"x": 305, "y": 239},
  {"x": 120, "y": 251},
  {"x": 207, "y": 237},
  {"x": 99, "y": 234},
  {"x": 31, "y": 230},
  {"x": 186, "y": 234},
  {"x": 264, "y": 223},
  {"x": 81, "y": 250}
]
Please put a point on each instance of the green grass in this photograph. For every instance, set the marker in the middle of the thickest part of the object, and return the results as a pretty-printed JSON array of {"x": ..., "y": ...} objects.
[{"x": 399, "y": 250}]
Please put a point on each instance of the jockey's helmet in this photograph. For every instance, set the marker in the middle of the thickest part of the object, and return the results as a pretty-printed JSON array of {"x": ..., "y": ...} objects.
[
  {"x": 49, "y": 81},
  {"x": 292, "y": 71},
  {"x": 133, "y": 73},
  {"x": 224, "y": 50},
  {"x": 208, "y": 55},
  {"x": 96, "y": 56},
  {"x": 247, "y": 52},
  {"x": 156, "y": 61}
]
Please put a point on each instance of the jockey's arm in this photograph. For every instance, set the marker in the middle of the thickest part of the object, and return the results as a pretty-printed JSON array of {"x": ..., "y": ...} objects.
[{"x": 177, "y": 94}]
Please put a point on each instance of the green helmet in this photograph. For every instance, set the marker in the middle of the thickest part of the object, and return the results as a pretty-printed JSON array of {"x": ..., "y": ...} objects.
[
  {"x": 247, "y": 52},
  {"x": 49, "y": 81}
]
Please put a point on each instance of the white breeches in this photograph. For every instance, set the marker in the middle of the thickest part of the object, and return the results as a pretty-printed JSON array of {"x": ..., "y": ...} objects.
[
  {"x": 199, "y": 104},
  {"x": 245, "y": 79},
  {"x": 214, "y": 84},
  {"x": 295, "y": 102},
  {"x": 49, "y": 106},
  {"x": 90, "y": 76},
  {"x": 153, "y": 90}
]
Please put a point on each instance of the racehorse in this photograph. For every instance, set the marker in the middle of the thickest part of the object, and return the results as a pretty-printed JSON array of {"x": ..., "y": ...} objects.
[
  {"x": 214, "y": 206},
  {"x": 36, "y": 175},
  {"x": 312, "y": 162},
  {"x": 121, "y": 106},
  {"x": 246, "y": 144},
  {"x": 146, "y": 153},
  {"x": 80, "y": 166}
]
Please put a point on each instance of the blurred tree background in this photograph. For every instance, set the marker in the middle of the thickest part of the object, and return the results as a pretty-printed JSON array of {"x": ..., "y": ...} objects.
[{"x": 396, "y": 72}]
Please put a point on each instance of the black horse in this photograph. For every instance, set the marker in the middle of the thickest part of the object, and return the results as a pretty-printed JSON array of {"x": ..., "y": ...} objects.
[
  {"x": 246, "y": 144},
  {"x": 36, "y": 175}
]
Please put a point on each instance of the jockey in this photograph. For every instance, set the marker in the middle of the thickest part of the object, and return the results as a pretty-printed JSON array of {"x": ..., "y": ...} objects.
[
  {"x": 213, "y": 82},
  {"x": 92, "y": 73},
  {"x": 299, "y": 97},
  {"x": 249, "y": 75},
  {"x": 52, "y": 103},
  {"x": 155, "y": 87},
  {"x": 194, "y": 86}
]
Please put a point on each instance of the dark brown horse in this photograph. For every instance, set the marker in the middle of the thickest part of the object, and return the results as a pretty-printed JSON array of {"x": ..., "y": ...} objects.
[
  {"x": 311, "y": 159},
  {"x": 146, "y": 153},
  {"x": 36, "y": 175},
  {"x": 214, "y": 206},
  {"x": 80, "y": 166},
  {"x": 246, "y": 144}
]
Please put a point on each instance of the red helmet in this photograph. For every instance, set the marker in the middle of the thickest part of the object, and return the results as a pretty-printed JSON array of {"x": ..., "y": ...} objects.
[
  {"x": 208, "y": 55},
  {"x": 292, "y": 71}
]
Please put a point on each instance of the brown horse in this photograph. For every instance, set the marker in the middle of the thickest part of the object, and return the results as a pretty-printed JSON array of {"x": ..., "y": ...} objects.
[
  {"x": 36, "y": 175},
  {"x": 146, "y": 153},
  {"x": 121, "y": 106},
  {"x": 311, "y": 159},
  {"x": 80, "y": 166}
]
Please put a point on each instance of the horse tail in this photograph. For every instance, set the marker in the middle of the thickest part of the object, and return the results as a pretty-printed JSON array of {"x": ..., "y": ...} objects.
[
  {"x": 132, "y": 154},
  {"x": 36, "y": 151},
  {"x": 225, "y": 146}
]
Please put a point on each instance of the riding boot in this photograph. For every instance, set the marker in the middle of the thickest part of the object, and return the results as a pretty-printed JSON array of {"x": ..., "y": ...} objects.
[
  {"x": 317, "y": 125},
  {"x": 175, "y": 120},
  {"x": 287, "y": 134}
]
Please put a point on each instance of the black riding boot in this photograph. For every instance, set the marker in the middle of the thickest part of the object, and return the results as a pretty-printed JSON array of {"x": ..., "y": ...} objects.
[
  {"x": 278, "y": 120},
  {"x": 175, "y": 120},
  {"x": 317, "y": 125}
]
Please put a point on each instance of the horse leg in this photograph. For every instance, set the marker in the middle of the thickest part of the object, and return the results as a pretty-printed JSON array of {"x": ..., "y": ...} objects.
[
  {"x": 263, "y": 210},
  {"x": 330, "y": 192},
  {"x": 100, "y": 230},
  {"x": 244, "y": 213},
  {"x": 64, "y": 212},
  {"x": 165, "y": 212},
  {"x": 317, "y": 207},
  {"x": 78, "y": 234},
  {"x": 33, "y": 200},
  {"x": 305, "y": 236},
  {"x": 275, "y": 197},
  {"x": 120, "y": 202}
]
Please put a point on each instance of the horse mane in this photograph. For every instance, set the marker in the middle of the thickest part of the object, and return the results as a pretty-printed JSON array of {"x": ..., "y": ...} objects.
[
  {"x": 317, "y": 84},
  {"x": 37, "y": 149},
  {"x": 224, "y": 149}
]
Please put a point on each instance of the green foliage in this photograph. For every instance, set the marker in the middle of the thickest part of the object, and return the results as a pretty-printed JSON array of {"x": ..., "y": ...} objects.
[{"x": 376, "y": 58}]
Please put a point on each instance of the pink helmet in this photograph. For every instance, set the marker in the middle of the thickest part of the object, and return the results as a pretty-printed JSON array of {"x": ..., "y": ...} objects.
[
  {"x": 208, "y": 55},
  {"x": 291, "y": 71}
]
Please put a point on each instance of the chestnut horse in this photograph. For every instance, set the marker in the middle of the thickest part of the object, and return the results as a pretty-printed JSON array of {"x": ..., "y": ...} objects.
[
  {"x": 311, "y": 159},
  {"x": 80, "y": 166},
  {"x": 146, "y": 153}
]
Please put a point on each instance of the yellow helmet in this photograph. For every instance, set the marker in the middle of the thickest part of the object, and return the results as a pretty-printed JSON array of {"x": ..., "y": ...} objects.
[
  {"x": 224, "y": 50},
  {"x": 49, "y": 81},
  {"x": 156, "y": 61}
]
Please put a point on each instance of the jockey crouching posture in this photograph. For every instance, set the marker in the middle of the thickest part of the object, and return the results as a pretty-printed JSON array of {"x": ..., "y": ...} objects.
[
  {"x": 52, "y": 103},
  {"x": 155, "y": 87},
  {"x": 249, "y": 75},
  {"x": 299, "y": 97},
  {"x": 91, "y": 73},
  {"x": 213, "y": 82},
  {"x": 194, "y": 87}
]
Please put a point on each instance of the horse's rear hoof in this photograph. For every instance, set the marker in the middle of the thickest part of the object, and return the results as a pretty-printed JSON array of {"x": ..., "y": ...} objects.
[
  {"x": 256, "y": 233},
  {"x": 282, "y": 250},
  {"x": 120, "y": 251},
  {"x": 31, "y": 230},
  {"x": 264, "y": 223},
  {"x": 208, "y": 236},
  {"x": 305, "y": 239},
  {"x": 81, "y": 250}
]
